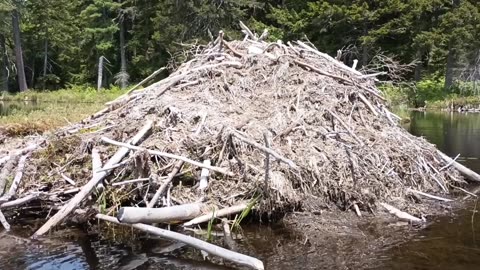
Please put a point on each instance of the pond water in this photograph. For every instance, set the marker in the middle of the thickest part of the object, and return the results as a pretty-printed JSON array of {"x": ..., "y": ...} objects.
[{"x": 448, "y": 243}]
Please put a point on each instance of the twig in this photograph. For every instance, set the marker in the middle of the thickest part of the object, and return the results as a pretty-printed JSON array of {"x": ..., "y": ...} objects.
[
  {"x": 68, "y": 179},
  {"x": 247, "y": 31},
  {"x": 194, "y": 242},
  {"x": 168, "y": 155},
  {"x": 266, "y": 150},
  {"x": 346, "y": 127},
  {"x": 357, "y": 210},
  {"x": 366, "y": 102}
]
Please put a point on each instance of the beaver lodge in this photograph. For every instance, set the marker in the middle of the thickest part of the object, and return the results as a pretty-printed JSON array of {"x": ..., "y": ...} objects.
[{"x": 276, "y": 127}]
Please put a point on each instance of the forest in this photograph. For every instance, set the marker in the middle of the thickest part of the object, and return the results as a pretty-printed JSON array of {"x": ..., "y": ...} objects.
[{"x": 54, "y": 44}]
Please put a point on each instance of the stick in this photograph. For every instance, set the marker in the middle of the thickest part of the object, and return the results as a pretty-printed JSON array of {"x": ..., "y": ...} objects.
[
  {"x": 366, "y": 102},
  {"x": 130, "y": 181},
  {"x": 346, "y": 127},
  {"x": 400, "y": 214},
  {"x": 96, "y": 165},
  {"x": 194, "y": 242},
  {"x": 267, "y": 163},
  {"x": 227, "y": 238},
  {"x": 165, "y": 184},
  {"x": 247, "y": 31},
  {"x": 172, "y": 214},
  {"x": 220, "y": 213},
  {"x": 428, "y": 195},
  {"x": 68, "y": 179},
  {"x": 88, "y": 188},
  {"x": 168, "y": 155},
  {"x": 357, "y": 210},
  {"x": 204, "y": 176},
  {"x": 266, "y": 150},
  {"x": 18, "y": 177},
  {"x": 449, "y": 163},
  {"x": 20, "y": 201},
  {"x": 4, "y": 222},
  {"x": 462, "y": 169}
]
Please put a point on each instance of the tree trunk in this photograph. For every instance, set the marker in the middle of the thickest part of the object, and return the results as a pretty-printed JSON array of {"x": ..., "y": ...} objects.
[
  {"x": 419, "y": 66},
  {"x": 22, "y": 82},
  {"x": 364, "y": 46},
  {"x": 449, "y": 68},
  {"x": 100, "y": 73},
  {"x": 45, "y": 63},
  {"x": 4, "y": 65},
  {"x": 123, "y": 59}
]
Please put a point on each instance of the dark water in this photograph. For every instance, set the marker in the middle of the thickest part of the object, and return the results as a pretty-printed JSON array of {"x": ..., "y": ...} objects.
[{"x": 448, "y": 243}]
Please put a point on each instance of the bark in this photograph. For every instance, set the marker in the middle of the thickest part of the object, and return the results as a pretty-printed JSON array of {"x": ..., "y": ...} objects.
[
  {"x": 160, "y": 215},
  {"x": 22, "y": 82},
  {"x": 4, "y": 65},
  {"x": 100, "y": 73},
  {"x": 123, "y": 59}
]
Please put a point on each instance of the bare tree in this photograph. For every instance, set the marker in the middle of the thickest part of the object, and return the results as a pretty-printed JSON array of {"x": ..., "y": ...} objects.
[
  {"x": 4, "y": 65},
  {"x": 22, "y": 83}
]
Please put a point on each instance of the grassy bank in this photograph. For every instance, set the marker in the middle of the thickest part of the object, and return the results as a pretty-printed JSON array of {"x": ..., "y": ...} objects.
[
  {"x": 431, "y": 94},
  {"x": 75, "y": 94},
  {"x": 35, "y": 112}
]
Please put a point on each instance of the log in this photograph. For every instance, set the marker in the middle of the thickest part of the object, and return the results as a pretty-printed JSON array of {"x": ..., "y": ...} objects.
[
  {"x": 168, "y": 155},
  {"x": 165, "y": 184},
  {"x": 88, "y": 188},
  {"x": 469, "y": 174},
  {"x": 172, "y": 214},
  {"x": 194, "y": 242},
  {"x": 220, "y": 213},
  {"x": 204, "y": 176},
  {"x": 400, "y": 214},
  {"x": 20, "y": 201},
  {"x": 4, "y": 222},
  {"x": 18, "y": 178}
]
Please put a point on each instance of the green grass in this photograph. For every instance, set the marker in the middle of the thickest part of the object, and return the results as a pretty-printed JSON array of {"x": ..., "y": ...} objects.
[
  {"x": 37, "y": 111},
  {"x": 75, "y": 94}
]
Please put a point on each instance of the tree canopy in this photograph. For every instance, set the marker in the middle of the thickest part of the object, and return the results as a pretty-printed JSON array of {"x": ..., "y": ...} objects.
[{"x": 62, "y": 40}]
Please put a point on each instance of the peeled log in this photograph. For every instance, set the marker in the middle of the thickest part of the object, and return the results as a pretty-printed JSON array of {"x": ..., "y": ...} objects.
[
  {"x": 171, "y": 214},
  {"x": 462, "y": 169}
]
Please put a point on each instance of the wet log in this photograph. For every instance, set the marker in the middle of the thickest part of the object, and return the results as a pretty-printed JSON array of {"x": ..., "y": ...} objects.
[
  {"x": 88, "y": 188},
  {"x": 469, "y": 174},
  {"x": 172, "y": 214},
  {"x": 194, "y": 242},
  {"x": 216, "y": 214}
]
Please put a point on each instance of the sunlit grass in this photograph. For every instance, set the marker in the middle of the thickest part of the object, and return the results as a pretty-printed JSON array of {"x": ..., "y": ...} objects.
[{"x": 45, "y": 111}]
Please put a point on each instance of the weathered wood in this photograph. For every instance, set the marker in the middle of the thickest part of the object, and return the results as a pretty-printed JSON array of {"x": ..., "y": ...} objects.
[
  {"x": 88, "y": 188},
  {"x": 265, "y": 149},
  {"x": 194, "y": 242},
  {"x": 429, "y": 195},
  {"x": 216, "y": 214},
  {"x": 168, "y": 155},
  {"x": 172, "y": 214},
  {"x": 473, "y": 176},
  {"x": 400, "y": 214},
  {"x": 165, "y": 184},
  {"x": 4, "y": 221},
  {"x": 20, "y": 201},
  {"x": 18, "y": 178},
  {"x": 204, "y": 176}
]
